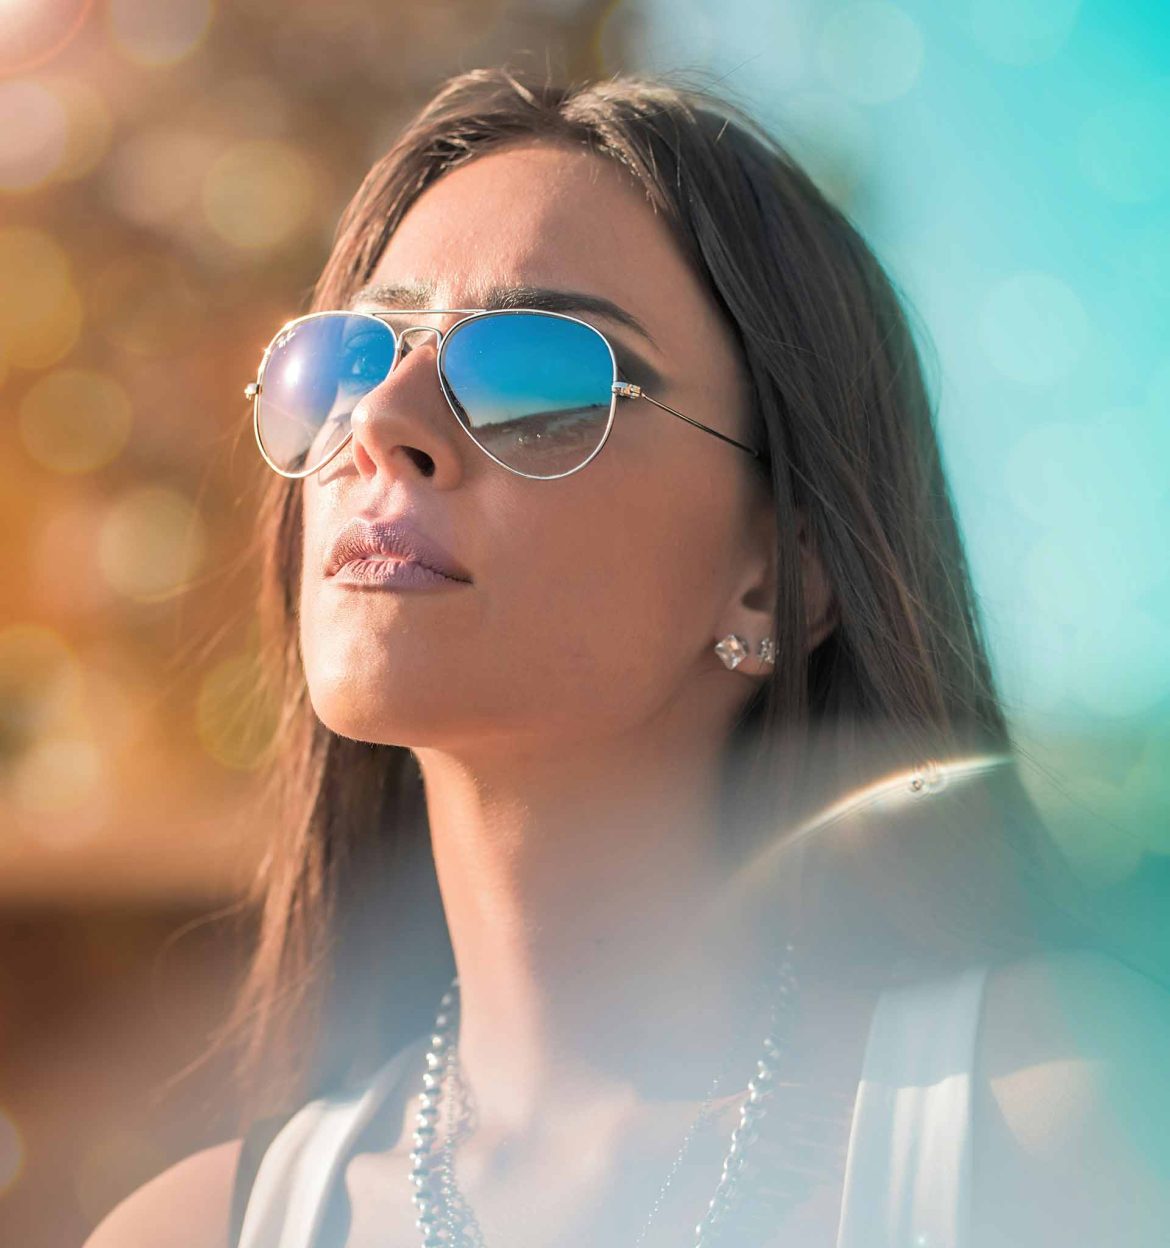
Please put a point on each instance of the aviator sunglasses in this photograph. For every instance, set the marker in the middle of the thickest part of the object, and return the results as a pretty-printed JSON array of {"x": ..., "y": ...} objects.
[{"x": 536, "y": 391}]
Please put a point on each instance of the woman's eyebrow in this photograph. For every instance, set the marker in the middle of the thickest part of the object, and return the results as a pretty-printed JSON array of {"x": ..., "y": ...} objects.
[{"x": 499, "y": 298}]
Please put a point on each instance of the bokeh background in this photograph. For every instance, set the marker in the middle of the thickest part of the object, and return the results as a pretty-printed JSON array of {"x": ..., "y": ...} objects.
[{"x": 171, "y": 172}]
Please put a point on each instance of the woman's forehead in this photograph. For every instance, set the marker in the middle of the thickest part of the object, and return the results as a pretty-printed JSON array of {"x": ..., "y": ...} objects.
[{"x": 545, "y": 216}]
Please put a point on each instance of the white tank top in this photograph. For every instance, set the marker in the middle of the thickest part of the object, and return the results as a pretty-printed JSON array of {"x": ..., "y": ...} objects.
[{"x": 907, "y": 1170}]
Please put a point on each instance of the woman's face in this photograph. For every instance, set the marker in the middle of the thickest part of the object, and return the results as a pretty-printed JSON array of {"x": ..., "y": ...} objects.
[{"x": 594, "y": 600}]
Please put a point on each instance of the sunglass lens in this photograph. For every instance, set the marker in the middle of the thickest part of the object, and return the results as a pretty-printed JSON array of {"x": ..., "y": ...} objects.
[
  {"x": 317, "y": 371},
  {"x": 534, "y": 390}
]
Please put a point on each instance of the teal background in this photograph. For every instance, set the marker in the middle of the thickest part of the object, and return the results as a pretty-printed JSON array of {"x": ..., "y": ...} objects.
[{"x": 1010, "y": 164}]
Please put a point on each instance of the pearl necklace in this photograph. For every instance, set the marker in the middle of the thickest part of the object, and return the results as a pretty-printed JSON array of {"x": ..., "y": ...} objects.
[{"x": 444, "y": 1217}]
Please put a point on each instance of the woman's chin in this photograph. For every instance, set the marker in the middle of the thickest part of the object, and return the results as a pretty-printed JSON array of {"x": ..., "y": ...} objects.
[{"x": 378, "y": 714}]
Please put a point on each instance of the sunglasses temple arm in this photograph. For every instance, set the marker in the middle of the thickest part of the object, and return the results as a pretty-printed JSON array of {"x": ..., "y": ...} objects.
[{"x": 698, "y": 425}]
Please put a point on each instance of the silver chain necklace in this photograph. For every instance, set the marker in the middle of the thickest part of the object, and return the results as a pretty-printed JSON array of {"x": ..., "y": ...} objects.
[
  {"x": 460, "y": 1222},
  {"x": 444, "y": 1217}
]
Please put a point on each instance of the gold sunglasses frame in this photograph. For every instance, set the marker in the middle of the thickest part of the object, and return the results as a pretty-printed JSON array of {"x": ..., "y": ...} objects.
[{"x": 619, "y": 389}]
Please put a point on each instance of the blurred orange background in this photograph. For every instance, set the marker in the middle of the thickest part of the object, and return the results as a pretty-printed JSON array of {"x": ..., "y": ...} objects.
[{"x": 170, "y": 177}]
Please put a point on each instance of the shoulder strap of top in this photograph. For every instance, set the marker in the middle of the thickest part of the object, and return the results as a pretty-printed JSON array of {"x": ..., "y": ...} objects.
[
  {"x": 256, "y": 1141},
  {"x": 299, "y": 1163},
  {"x": 908, "y": 1169}
]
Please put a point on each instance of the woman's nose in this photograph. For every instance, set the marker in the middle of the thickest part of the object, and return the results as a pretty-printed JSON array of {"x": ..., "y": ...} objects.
[{"x": 404, "y": 423}]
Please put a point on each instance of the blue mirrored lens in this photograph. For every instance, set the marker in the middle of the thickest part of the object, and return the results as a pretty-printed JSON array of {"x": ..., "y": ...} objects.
[
  {"x": 533, "y": 390},
  {"x": 318, "y": 370}
]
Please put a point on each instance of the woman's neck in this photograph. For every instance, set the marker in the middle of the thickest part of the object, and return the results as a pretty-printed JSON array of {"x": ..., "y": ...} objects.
[{"x": 577, "y": 887}]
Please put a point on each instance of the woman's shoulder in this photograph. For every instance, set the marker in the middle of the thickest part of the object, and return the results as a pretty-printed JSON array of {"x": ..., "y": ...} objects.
[
  {"x": 1072, "y": 1097},
  {"x": 191, "y": 1204},
  {"x": 1081, "y": 1005},
  {"x": 188, "y": 1205}
]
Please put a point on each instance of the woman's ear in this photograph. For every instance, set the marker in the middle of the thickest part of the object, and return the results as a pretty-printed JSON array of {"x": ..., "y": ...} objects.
[
  {"x": 820, "y": 602},
  {"x": 750, "y": 613}
]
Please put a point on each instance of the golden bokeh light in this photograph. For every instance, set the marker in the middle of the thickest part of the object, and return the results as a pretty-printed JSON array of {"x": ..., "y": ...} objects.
[
  {"x": 48, "y": 341},
  {"x": 33, "y": 32},
  {"x": 56, "y": 129},
  {"x": 11, "y": 1151},
  {"x": 153, "y": 33},
  {"x": 117, "y": 702},
  {"x": 144, "y": 304},
  {"x": 88, "y": 126},
  {"x": 151, "y": 542},
  {"x": 156, "y": 175},
  {"x": 75, "y": 420},
  {"x": 60, "y": 775},
  {"x": 67, "y": 537},
  {"x": 41, "y": 313},
  {"x": 249, "y": 105},
  {"x": 235, "y": 713},
  {"x": 40, "y": 685},
  {"x": 259, "y": 194},
  {"x": 32, "y": 138}
]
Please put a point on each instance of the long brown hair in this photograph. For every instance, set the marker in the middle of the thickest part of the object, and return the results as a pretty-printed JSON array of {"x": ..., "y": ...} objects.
[{"x": 353, "y": 951}]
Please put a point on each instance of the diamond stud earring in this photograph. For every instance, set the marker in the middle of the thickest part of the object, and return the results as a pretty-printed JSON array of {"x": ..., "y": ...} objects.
[{"x": 732, "y": 650}]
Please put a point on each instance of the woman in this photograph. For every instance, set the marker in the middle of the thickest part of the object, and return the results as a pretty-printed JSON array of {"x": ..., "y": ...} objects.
[{"x": 633, "y": 671}]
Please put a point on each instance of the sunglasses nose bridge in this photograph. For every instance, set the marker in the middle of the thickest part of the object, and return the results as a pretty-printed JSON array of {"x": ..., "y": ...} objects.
[{"x": 401, "y": 346}]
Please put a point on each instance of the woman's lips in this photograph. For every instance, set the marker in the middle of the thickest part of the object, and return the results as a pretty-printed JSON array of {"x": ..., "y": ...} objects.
[
  {"x": 382, "y": 572},
  {"x": 390, "y": 538}
]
